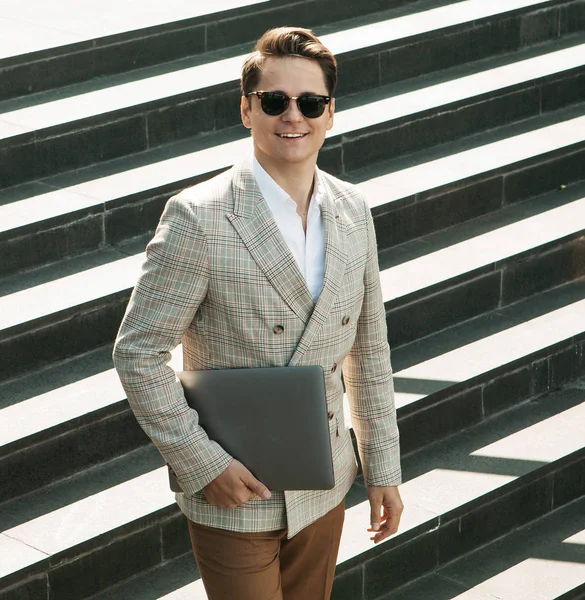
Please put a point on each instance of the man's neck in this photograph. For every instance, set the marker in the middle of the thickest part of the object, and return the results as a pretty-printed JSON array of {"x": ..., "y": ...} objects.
[{"x": 295, "y": 179}]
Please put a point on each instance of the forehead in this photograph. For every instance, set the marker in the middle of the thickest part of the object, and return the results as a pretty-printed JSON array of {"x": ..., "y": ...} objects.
[{"x": 292, "y": 75}]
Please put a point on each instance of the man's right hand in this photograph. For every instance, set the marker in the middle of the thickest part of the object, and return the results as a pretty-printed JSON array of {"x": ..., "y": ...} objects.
[{"x": 234, "y": 486}]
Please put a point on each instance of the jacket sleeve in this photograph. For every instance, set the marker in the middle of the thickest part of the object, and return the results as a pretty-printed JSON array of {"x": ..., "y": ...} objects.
[
  {"x": 171, "y": 286},
  {"x": 368, "y": 380}
]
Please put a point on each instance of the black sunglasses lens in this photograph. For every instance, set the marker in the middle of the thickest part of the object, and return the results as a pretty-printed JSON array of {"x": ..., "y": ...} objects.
[
  {"x": 273, "y": 104},
  {"x": 312, "y": 106}
]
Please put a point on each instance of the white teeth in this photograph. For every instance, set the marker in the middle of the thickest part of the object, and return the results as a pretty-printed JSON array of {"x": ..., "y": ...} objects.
[{"x": 291, "y": 135}]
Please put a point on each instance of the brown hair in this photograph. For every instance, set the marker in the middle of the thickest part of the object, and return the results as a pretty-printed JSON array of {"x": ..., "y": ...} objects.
[{"x": 288, "y": 41}]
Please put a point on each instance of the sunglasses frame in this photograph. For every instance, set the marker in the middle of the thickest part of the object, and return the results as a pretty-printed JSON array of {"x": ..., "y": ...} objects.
[{"x": 287, "y": 100}]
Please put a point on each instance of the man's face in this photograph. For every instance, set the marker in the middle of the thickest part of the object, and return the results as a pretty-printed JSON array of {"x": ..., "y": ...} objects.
[{"x": 292, "y": 76}]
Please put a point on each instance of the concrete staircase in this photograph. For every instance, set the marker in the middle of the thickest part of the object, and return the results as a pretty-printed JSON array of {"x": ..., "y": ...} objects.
[{"x": 463, "y": 122}]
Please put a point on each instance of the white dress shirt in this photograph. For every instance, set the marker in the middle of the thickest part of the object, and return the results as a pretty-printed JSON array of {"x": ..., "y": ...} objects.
[{"x": 309, "y": 249}]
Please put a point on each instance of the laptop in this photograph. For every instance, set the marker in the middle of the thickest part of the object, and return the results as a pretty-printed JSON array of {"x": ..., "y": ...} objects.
[{"x": 273, "y": 420}]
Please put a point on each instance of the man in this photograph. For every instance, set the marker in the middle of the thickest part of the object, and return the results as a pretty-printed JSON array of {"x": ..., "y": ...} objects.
[{"x": 273, "y": 263}]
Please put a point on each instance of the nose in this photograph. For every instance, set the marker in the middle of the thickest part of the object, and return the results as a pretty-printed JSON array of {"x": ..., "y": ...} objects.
[{"x": 292, "y": 112}]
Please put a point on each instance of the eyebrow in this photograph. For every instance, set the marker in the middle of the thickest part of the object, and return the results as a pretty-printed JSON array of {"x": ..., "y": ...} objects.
[{"x": 305, "y": 93}]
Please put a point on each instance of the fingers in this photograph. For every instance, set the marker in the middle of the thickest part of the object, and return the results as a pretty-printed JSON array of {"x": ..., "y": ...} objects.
[
  {"x": 390, "y": 525},
  {"x": 387, "y": 524},
  {"x": 256, "y": 487},
  {"x": 375, "y": 510},
  {"x": 234, "y": 486}
]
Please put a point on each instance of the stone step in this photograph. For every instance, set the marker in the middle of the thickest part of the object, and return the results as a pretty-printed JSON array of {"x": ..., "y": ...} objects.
[
  {"x": 74, "y": 412},
  {"x": 481, "y": 484},
  {"x": 106, "y": 204},
  {"x": 461, "y": 376},
  {"x": 504, "y": 473},
  {"x": 458, "y": 182},
  {"x": 69, "y": 129},
  {"x": 65, "y": 310},
  {"x": 498, "y": 259},
  {"x": 43, "y": 48},
  {"x": 541, "y": 560}
]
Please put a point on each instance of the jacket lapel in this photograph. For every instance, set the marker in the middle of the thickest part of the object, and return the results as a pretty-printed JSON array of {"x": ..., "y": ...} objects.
[
  {"x": 335, "y": 261},
  {"x": 256, "y": 227}
]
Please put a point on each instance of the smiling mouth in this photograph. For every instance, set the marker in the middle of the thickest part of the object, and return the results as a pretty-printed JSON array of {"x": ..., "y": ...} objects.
[{"x": 291, "y": 136}]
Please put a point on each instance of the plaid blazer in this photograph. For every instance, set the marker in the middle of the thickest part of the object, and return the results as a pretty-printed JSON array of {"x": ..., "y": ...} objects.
[{"x": 219, "y": 276}]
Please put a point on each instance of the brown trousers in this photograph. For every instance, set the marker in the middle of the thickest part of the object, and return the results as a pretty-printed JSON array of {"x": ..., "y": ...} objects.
[{"x": 266, "y": 565}]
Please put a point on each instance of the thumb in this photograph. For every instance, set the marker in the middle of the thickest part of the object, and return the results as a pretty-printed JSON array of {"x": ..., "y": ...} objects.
[
  {"x": 375, "y": 507},
  {"x": 256, "y": 486}
]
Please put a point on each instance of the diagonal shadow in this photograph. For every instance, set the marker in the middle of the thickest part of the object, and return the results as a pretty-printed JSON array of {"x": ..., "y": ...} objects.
[
  {"x": 544, "y": 539},
  {"x": 456, "y": 451}
]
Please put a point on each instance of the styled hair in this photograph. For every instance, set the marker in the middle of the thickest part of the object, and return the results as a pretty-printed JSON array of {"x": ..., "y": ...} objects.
[{"x": 288, "y": 41}]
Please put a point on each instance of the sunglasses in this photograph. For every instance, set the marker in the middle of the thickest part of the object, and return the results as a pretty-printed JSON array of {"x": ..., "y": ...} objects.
[{"x": 275, "y": 103}]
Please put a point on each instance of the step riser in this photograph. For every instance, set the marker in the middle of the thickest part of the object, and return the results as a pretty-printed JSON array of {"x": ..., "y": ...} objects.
[
  {"x": 462, "y": 406},
  {"x": 421, "y": 131},
  {"x": 89, "y": 229},
  {"x": 63, "y": 337},
  {"x": 483, "y": 290},
  {"x": 75, "y": 145},
  {"x": 112, "y": 558},
  {"x": 91, "y": 442},
  {"x": 145, "y": 544},
  {"x": 433, "y": 210},
  {"x": 111, "y": 55},
  {"x": 486, "y": 37},
  {"x": 376, "y": 574}
]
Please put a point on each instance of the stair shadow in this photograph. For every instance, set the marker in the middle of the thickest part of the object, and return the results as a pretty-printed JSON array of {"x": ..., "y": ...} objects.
[
  {"x": 456, "y": 451},
  {"x": 547, "y": 539}
]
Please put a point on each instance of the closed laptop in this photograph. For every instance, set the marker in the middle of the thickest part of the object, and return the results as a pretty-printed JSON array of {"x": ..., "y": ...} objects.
[{"x": 273, "y": 420}]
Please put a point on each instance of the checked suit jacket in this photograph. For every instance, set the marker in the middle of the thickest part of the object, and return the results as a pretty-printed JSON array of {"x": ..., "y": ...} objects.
[{"x": 219, "y": 277}]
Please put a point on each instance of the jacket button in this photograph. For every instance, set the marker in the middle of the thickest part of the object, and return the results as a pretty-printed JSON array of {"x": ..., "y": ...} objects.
[
  {"x": 330, "y": 415},
  {"x": 345, "y": 320},
  {"x": 278, "y": 329},
  {"x": 334, "y": 368}
]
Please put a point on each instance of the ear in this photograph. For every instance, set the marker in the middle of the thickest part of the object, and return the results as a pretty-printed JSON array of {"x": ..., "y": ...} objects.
[
  {"x": 330, "y": 115},
  {"x": 245, "y": 109}
]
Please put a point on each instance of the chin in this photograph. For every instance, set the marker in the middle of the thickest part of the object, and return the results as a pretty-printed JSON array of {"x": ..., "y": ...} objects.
[{"x": 298, "y": 156}]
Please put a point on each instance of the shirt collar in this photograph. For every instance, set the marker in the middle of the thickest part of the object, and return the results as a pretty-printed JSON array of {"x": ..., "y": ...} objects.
[{"x": 269, "y": 188}]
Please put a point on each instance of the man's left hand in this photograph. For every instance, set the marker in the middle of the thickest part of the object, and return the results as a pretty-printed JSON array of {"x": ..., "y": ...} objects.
[{"x": 386, "y": 509}]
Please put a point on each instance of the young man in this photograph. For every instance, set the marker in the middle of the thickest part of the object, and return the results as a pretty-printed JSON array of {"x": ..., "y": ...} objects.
[{"x": 273, "y": 263}]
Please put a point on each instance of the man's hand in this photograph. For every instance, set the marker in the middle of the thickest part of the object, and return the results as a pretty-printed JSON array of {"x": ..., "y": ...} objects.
[
  {"x": 234, "y": 486},
  {"x": 384, "y": 522}
]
